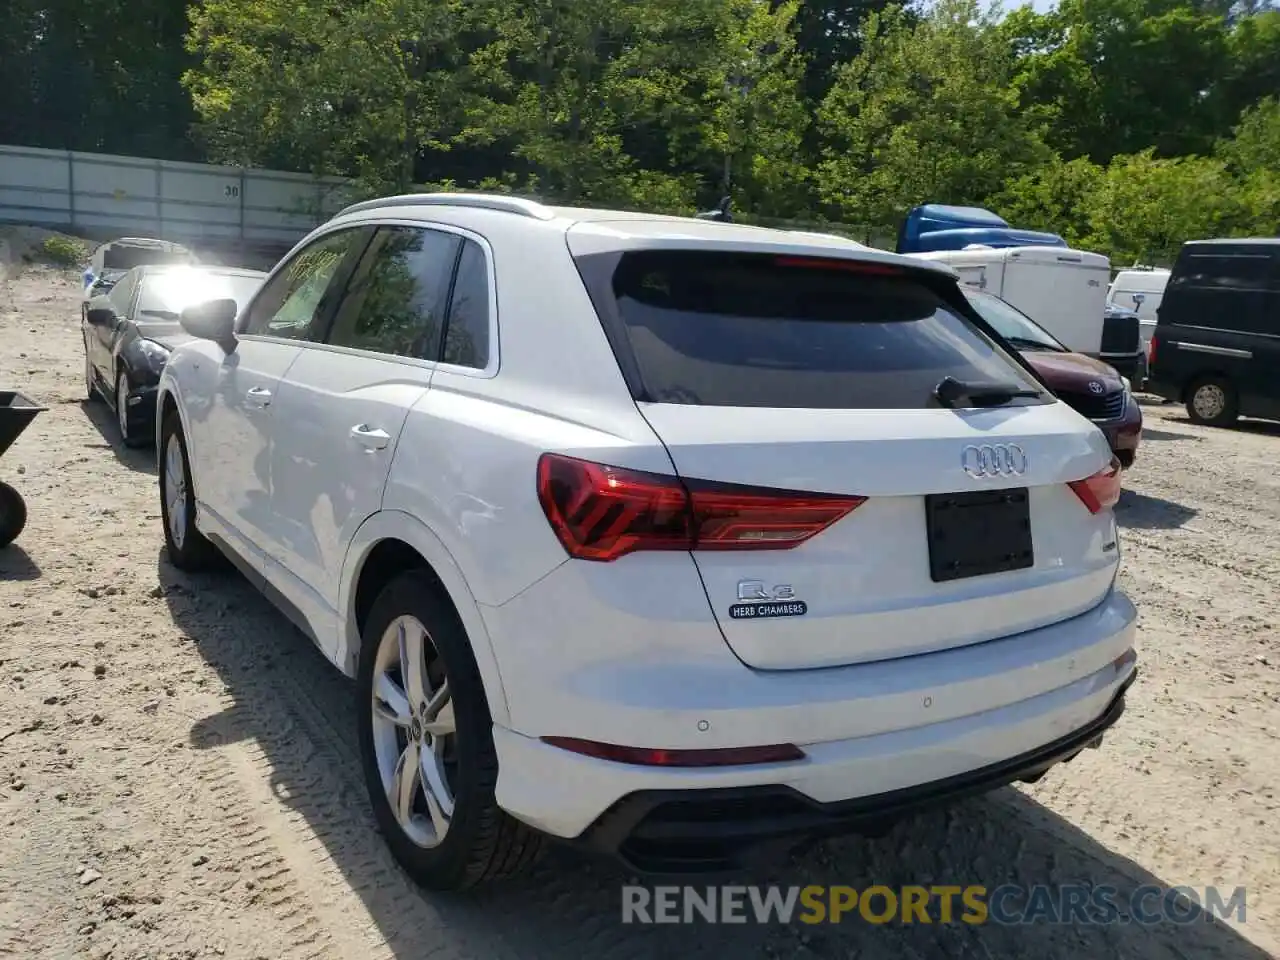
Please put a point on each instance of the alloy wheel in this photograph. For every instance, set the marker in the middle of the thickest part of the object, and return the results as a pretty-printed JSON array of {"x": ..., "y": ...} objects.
[
  {"x": 122, "y": 405},
  {"x": 175, "y": 490},
  {"x": 414, "y": 731}
]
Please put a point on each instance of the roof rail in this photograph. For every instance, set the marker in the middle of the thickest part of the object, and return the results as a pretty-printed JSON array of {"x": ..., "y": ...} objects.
[{"x": 500, "y": 202}]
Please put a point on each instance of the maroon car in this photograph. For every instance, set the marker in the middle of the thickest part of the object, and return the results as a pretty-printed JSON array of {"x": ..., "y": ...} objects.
[{"x": 1091, "y": 387}]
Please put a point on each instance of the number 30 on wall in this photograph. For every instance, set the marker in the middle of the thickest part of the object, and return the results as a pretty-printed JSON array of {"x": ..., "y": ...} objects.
[{"x": 231, "y": 191}]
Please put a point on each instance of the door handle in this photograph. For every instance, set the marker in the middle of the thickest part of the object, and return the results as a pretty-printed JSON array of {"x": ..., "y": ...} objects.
[
  {"x": 371, "y": 438},
  {"x": 258, "y": 397}
]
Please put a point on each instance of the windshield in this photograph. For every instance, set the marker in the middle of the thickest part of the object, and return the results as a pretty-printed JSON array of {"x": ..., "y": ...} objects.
[
  {"x": 1011, "y": 323},
  {"x": 166, "y": 294}
]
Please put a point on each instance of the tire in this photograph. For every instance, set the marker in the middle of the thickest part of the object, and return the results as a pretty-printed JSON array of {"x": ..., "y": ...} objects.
[
  {"x": 1212, "y": 401},
  {"x": 479, "y": 842},
  {"x": 187, "y": 547},
  {"x": 13, "y": 514},
  {"x": 130, "y": 435},
  {"x": 90, "y": 379}
]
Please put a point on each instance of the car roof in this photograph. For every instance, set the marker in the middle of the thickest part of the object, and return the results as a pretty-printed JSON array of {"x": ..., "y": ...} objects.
[
  {"x": 1239, "y": 241},
  {"x": 592, "y": 229}
]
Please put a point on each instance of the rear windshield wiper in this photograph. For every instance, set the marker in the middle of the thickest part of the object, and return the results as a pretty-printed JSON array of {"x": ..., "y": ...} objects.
[{"x": 989, "y": 393}]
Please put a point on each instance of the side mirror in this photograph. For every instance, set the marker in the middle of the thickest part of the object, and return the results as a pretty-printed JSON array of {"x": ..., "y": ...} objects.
[
  {"x": 101, "y": 316},
  {"x": 212, "y": 320}
]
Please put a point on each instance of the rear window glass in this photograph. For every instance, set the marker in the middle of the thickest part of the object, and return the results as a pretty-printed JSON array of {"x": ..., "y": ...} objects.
[
  {"x": 128, "y": 257},
  {"x": 761, "y": 331}
]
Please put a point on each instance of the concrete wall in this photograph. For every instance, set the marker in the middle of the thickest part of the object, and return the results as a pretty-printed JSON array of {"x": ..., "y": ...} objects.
[{"x": 102, "y": 196}]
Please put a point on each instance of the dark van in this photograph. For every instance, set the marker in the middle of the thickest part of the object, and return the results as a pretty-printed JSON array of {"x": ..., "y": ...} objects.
[{"x": 1216, "y": 345}]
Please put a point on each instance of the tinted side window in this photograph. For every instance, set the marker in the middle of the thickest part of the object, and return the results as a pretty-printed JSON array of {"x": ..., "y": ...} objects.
[
  {"x": 466, "y": 341},
  {"x": 290, "y": 305},
  {"x": 757, "y": 330},
  {"x": 396, "y": 298},
  {"x": 1227, "y": 270}
]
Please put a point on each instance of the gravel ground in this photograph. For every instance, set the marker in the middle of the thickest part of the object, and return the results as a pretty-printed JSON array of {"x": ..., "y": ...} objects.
[{"x": 178, "y": 776}]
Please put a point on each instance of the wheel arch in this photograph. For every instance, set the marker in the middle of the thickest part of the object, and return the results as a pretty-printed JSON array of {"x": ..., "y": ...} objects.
[
  {"x": 1199, "y": 376},
  {"x": 167, "y": 403},
  {"x": 387, "y": 544}
]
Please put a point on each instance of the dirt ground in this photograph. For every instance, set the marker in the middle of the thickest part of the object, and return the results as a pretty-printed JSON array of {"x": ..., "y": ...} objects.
[{"x": 178, "y": 776}]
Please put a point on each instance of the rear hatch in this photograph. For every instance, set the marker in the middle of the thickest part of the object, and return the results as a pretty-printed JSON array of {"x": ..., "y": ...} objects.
[{"x": 787, "y": 385}]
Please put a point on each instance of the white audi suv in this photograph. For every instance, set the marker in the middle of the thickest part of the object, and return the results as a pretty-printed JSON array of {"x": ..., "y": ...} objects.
[{"x": 662, "y": 536}]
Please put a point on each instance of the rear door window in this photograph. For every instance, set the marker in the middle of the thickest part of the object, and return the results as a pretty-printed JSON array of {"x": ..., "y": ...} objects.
[{"x": 755, "y": 330}]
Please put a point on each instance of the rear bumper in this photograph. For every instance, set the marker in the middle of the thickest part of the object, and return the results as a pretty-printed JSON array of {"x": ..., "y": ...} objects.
[
  {"x": 660, "y": 831},
  {"x": 937, "y": 724}
]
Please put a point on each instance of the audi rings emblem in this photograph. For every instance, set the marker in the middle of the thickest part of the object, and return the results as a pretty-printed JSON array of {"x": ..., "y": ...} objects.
[
  {"x": 993, "y": 460},
  {"x": 1096, "y": 387}
]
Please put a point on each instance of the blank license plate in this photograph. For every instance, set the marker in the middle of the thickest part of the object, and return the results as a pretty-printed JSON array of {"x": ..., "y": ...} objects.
[{"x": 976, "y": 533}]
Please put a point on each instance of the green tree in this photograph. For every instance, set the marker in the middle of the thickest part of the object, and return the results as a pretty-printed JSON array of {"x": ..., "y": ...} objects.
[
  {"x": 1118, "y": 76},
  {"x": 753, "y": 108},
  {"x": 359, "y": 89},
  {"x": 1146, "y": 207},
  {"x": 1252, "y": 68},
  {"x": 1255, "y": 144},
  {"x": 829, "y": 33},
  {"x": 99, "y": 76},
  {"x": 1053, "y": 197},
  {"x": 924, "y": 113}
]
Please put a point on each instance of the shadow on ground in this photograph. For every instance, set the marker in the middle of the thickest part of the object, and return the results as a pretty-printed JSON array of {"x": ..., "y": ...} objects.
[
  {"x": 1138, "y": 511},
  {"x": 1149, "y": 433},
  {"x": 142, "y": 459},
  {"x": 1265, "y": 428},
  {"x": 16, "y": 564},
  {"x": 301, "y": 712}
]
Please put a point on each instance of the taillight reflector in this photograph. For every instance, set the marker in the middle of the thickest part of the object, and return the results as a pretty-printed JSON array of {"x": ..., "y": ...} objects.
[
  {"x": 1151, "y": 351},
  {"x": 649, "y": 757},
  {"x": 600, "y": 512},
  {"x": 1100, "y": 491}
]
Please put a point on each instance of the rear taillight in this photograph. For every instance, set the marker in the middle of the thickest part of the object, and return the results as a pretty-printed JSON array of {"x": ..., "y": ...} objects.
[
  {"x": 1100, "y": 491},
  {"x": 1151, "y": 351},
  {"x": 602, "y": 513}
]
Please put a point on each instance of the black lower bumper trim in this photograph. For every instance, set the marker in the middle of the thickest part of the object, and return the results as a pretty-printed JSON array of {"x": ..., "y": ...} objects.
[{"x": 710, "y": 831}]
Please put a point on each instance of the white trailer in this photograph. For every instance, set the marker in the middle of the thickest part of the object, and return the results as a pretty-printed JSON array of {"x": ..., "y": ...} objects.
[{"x": 1063, "y": 290}]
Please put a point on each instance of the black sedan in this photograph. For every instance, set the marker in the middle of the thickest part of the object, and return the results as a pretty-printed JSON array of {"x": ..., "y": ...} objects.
[{"x": 129, "y": 332}]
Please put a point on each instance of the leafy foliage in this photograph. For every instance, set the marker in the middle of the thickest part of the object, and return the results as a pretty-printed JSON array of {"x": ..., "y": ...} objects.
[
  {"x": 923, "y": 112},
  {"x": 62, "y": 250}
]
